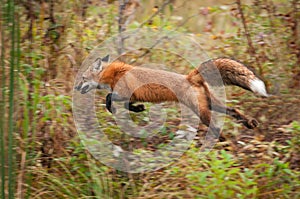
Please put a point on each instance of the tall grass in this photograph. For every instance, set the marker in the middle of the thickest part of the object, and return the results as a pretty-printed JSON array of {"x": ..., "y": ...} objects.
[
  {"x": 2, "y": 101},
  {"x": 9, "y": 54},
  {"x": 11, "y": 101}
]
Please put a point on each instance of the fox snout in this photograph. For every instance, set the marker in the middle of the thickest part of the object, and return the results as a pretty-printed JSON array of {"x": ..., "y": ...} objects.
[
  {"x": 78, "y": 87},
  {"x": 83, "y": 80},
  {"x": 84, "y": 87}
]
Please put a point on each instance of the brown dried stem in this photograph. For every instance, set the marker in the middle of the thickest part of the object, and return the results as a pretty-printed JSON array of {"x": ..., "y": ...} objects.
[{"x": 251, "y": 48}]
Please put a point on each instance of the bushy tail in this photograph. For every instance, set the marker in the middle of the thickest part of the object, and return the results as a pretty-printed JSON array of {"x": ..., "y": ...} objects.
[{"x": 232, "y": 73}]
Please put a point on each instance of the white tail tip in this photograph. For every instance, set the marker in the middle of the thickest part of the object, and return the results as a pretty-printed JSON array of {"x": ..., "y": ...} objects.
[{"x": 258, "y": 87}]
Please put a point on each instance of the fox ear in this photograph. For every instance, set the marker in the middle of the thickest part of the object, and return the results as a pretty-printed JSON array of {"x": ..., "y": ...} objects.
[
  {"x": 97, "y": 65},
  {"x": 106, "y": 58}
]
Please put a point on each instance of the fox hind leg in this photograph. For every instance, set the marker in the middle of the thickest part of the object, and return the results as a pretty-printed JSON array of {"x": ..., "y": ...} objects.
[
  {"x": 216, "y": 105},
  {"x": 200, "y": 106},
  {"x": 205, "y": 116}
]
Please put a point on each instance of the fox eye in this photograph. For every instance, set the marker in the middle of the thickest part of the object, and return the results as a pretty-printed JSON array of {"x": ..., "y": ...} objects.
[{"x": 97, "y": 65}]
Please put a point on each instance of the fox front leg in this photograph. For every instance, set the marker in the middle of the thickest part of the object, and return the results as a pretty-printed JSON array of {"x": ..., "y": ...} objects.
[
  {"x": 128, "y": 105},
  {"x": 108, "y": 103},
  {"x": 110, "y": 97}
]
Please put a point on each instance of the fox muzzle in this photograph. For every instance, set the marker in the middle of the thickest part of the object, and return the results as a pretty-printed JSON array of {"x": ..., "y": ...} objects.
[
  {"x": 78, "y": 87},
  {"x": 85, "y": 89}
]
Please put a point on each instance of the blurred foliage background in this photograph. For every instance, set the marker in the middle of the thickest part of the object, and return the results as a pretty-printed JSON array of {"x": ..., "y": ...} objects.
[{"x": 43, "y": 43}]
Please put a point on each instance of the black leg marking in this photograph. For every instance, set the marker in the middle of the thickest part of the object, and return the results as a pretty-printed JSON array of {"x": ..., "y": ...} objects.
[
  {"x": 138, "y": 108},
  {"x": 128, "y": 105},
  {"x": 108, "y": 103}
]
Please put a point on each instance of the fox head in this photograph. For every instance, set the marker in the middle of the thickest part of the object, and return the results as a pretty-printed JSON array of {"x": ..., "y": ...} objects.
[{"x": 91, "y": 75}]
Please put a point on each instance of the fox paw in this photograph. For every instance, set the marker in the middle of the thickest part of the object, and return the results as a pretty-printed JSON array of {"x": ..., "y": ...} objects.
[
  {"x": 251, "y": 123},
  {"x": 137, "y": 108},
  {"x": 222, "y": 138},
  {"x": 140, "y": 107}
]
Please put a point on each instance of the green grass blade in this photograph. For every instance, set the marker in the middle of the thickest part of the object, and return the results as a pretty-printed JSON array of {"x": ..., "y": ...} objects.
[
  {"x": 13, "y": 58},
  {"x": 2, "y": 102}
]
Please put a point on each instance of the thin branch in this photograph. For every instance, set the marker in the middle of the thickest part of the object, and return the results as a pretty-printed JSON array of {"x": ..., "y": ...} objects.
[
  {"x": 84, "y": 8},
  {"x": 295, "y": 41},
  {"x": 183, "y": 4},
  {"x": 164, "y": 37},
  {"x": 250, "y": 44},
  {"x": 271, "y": 13},
  {"x": 185, "y": 21},
  {"x": 295, "y": 27},
  {"x": 252, "y": 50},
  {"x": 52, "y": 18},
  {"x": 122, "y": 6},
  {"x": 122, "y": 27},
  {"x": 167, "y": 2}
]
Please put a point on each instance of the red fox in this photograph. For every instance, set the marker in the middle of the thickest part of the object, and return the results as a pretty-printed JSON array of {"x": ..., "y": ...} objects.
[{"x": 138, "y": 84}]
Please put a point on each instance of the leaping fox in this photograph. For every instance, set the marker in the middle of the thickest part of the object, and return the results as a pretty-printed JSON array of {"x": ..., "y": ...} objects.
[{"x": 138, "y": 84}]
